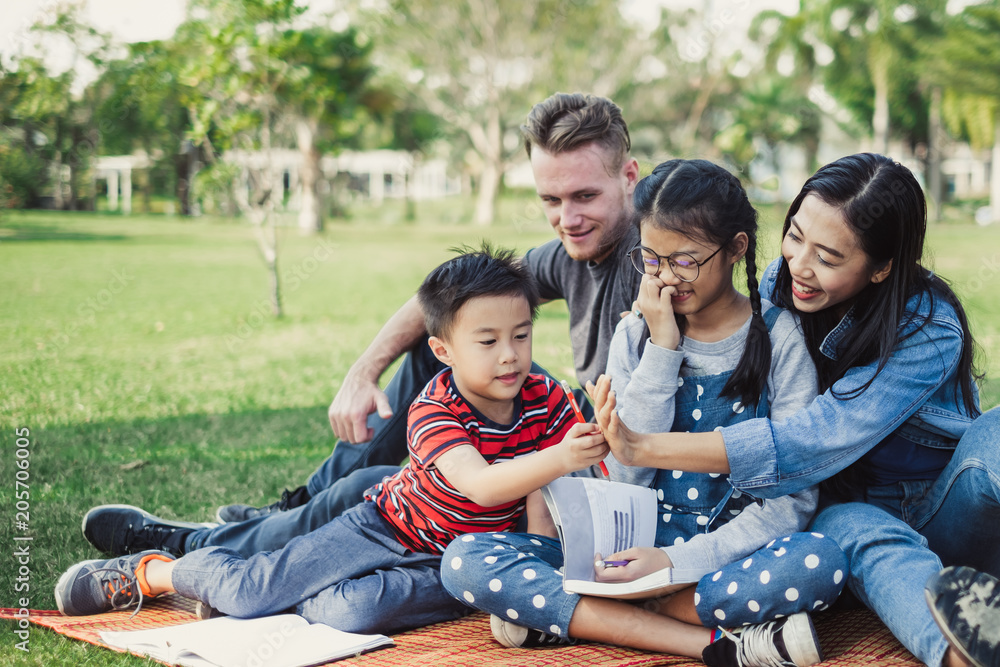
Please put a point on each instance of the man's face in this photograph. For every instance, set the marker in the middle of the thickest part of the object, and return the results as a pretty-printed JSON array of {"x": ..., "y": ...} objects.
[{"x": 589, "y": 208}]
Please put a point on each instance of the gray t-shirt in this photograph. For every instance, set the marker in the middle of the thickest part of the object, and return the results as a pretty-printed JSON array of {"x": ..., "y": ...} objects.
[
  {"x": 645, "y": 389},
  {"x": 595, "y": 294}
]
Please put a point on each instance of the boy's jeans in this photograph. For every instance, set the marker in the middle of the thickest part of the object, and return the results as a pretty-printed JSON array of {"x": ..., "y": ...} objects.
[
  {"x": 351, "y": 574},
  {"x": 897, "y": 536}
]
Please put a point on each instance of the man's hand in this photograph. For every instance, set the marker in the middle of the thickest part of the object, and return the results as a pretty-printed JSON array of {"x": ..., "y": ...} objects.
[{"x": 351, "y": 406}]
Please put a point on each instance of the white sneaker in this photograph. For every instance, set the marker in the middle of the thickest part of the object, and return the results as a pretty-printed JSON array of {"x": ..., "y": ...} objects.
[
  {"x": 787, "y": 642},
  {"x": 518, "y": 636}
]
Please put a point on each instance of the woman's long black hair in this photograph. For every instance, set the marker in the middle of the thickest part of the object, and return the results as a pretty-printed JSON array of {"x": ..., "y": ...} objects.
[
  {"x": 884, "y": 207},
  {"x": 702, "y": 200}
]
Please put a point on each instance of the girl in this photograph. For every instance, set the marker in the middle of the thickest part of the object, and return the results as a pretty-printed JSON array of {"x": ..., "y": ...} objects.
[
  {"x": 695, "y": 354},
  {"x": 911, "y": 481}
]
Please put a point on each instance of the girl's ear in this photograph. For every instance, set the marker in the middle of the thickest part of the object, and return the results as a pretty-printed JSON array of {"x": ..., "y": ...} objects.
[
  {"x": 739, "y": 246},
  {"x": 882, "y": 273},
  {"x": 440, "y": 350}
]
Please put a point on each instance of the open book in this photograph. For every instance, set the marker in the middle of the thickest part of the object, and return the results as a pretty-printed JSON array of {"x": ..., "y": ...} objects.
[
  {"x": 285, "y": 640},
  {"x": 594, "y": 516}
]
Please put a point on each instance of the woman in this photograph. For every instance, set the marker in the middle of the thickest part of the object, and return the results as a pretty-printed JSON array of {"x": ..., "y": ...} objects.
[{"x": 910, "y": 480}]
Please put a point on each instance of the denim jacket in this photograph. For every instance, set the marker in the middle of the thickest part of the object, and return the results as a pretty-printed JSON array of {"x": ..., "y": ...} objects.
[{"x": 915, "y": 396}]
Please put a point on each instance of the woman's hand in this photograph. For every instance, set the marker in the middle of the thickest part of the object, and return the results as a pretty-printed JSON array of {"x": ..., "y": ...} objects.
[
  {"x": 641, "y": 561},
  {"x": 657, "y": 309},
  {"x": 625, "y": 444}
]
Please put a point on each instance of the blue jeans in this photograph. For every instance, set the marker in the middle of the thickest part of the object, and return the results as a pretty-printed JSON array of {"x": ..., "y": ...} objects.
[
  {"x": 271, "y": 532},
  {"x": 351, "y": 574},
  {"x": 897, "y": 536},
  {"x": 516, "y": 576}
]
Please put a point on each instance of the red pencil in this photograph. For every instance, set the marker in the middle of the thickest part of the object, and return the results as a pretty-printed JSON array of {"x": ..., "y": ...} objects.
[{"x": 579, "y": 416}]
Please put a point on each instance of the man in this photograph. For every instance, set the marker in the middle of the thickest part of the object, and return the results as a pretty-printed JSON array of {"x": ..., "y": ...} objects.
[{"x": 578, "y": 146}]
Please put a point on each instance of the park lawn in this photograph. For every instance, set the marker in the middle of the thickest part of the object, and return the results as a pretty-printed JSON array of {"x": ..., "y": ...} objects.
[{"x": 140, "y": 355}]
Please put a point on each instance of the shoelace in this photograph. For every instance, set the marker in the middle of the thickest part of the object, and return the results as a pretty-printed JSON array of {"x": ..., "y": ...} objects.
[
  {"x": 755, "y": 646},
  {"x": 147, "y": 537},
  {"x": 128, "y": 582}
]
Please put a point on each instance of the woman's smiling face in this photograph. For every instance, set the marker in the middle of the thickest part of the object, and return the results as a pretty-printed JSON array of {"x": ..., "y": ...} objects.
[{"x": 827, "y": 265}]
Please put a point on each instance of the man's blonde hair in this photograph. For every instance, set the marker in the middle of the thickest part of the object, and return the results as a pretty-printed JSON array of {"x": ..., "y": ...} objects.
[{"x": 567, "y": 121}]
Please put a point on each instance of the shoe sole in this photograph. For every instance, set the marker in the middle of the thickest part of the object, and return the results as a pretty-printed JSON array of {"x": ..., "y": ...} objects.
[
  {"x": 69, "y": 574},
  {"x": 805, "y": 652},
  {"x": 193, "y": 525},
  {"x": 942, "y": 624}
]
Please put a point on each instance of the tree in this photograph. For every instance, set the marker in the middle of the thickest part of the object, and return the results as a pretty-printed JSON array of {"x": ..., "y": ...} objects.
[
  {"x": 964, "y": 62},
  {"x": 873, "y": 71},
  {"x": 255, "y": 76},
  {"x": 480, "y": 65},
  {"x": 142, "y": 106},
  {"x": 325, "y": 88}
]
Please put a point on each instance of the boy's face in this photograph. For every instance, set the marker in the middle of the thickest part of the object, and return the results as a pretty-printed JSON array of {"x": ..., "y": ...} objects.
[{"x": 489, "y": 351}]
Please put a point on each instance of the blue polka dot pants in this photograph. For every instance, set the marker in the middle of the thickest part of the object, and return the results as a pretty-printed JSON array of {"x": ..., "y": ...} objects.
[
  {"x": 801, "y": 572},
  {"x": 512, "y": 575},
  {"x": 517, "y": 577}
]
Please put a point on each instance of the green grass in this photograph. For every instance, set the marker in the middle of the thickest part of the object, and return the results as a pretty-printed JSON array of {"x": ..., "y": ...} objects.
[{"x": 138, "y": 352}]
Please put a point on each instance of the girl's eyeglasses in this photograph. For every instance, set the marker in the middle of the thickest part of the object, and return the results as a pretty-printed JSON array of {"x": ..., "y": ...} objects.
[{"x": 681, "y": 264}]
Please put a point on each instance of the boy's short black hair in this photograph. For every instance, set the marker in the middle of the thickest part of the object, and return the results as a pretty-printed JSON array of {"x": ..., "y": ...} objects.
[{"x": 488, "y": 271}]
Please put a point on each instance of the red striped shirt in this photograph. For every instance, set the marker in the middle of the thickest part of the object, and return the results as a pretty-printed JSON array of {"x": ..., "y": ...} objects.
[{"x": 423, "y": 509}]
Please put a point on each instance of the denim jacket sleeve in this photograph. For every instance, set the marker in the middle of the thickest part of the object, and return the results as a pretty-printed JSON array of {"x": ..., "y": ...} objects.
[{"x": 771, "y": 459}]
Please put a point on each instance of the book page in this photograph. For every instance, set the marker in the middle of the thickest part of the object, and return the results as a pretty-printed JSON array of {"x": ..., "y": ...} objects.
[
  {"x": 598, "y": 516},
  {"x": 284, "y": 640}
]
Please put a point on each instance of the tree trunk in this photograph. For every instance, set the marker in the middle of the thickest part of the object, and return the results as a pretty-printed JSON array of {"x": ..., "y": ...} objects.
[
  {"x": 311, "y": 209},
  {"x": 489, "y": 180},
  {"x": 489, "y": 188},
  {"x": 995, "y": 171},
  {"x": 880, "y": 116},
  {"x": 57, "y": 182},
  {"x": 411, "y": 203},
  {"x": 935, "y": 138}
]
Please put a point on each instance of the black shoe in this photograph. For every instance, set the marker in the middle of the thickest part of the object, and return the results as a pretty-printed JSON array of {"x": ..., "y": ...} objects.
[
  {"x": 787, "y": 642},
  {"x": 289, "y": 500},
  {"x": 965, "y": 604},
  {"x": 512, "y": 635},
  {"x": 124, "y": 529}
]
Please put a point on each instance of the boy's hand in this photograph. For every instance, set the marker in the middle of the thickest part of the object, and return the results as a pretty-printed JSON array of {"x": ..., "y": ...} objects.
[
  {"x": 625, "y": 444},
  {"x": 641, "y": 561},
  {"x": 583, "y": 447},
  {"x": 658, "y": 311}
]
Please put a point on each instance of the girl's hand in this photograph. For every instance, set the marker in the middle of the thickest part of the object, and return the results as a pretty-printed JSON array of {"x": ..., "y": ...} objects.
[
  {"x": 583, "y": 447},
  {"x": 658, "y": 311},
  {"x": 625, "y": 444},
  {"x": 641, "y": 561}
]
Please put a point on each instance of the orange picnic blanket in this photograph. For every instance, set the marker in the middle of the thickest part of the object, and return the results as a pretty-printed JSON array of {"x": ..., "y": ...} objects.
[{"x": 848, "y": 638}]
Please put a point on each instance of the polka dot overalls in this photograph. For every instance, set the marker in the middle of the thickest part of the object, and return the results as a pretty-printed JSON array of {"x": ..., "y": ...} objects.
[{"x": 518, "y": 576}]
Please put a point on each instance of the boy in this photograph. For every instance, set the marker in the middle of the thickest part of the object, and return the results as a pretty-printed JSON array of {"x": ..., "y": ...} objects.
[{"x": 482, "y": 435}]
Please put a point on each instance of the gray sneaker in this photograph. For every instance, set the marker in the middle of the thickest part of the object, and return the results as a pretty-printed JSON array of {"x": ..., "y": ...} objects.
[
  {"x": 512, "y": 635},
  {"x": 787, "y": 642},
  {"x": 965, "y": 604},
  {"x": 237, "y": 513},
  {"x": 97, "y": 586}
]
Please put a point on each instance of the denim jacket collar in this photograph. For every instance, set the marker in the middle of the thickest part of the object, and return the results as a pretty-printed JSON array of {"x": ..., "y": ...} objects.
[{"x": 832, "y": 341}]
